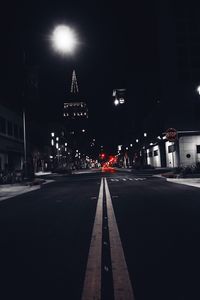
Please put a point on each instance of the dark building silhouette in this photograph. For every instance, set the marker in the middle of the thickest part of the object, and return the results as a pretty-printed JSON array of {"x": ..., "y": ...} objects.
[
  {"x": 179, "y": 48},
  {"x": 11, "y": 140}
]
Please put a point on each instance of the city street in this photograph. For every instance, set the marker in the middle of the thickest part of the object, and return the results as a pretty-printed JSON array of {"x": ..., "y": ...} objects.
[{"x": 45, "y": 238}]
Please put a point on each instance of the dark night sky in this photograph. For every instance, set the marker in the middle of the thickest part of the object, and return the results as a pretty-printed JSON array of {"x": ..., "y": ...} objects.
[{"x": 118, "y": 49}]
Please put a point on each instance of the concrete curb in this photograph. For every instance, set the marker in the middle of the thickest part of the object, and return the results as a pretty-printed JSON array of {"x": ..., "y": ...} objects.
[{"x": 194, "y": 182}]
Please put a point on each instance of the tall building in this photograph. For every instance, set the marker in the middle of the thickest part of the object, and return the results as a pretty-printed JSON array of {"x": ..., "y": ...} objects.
[
  {"x": 75, "y": 109},
  {"x": 76, "y": 119},
  {"x": 11, "y": 140}
]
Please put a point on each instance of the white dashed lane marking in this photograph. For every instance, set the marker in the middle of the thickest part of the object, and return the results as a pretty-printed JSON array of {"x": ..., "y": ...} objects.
[{"x": 127, "y": 179}]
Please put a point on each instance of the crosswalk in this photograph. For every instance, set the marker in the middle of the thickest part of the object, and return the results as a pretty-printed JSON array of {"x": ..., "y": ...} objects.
[{"x": 127, "y": 179}]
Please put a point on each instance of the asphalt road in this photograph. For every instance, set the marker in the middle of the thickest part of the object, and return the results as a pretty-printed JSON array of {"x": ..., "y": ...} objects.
[{"x": 45, "y": 238}]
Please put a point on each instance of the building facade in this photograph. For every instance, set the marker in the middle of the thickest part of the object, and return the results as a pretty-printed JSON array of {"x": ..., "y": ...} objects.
[
  {"x": 75, "y": 111},
  {"x": 11, "y": 140},
  {"x": 185, "y": 151}
]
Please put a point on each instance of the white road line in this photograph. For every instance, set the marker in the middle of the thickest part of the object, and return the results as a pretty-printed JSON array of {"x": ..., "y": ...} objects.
[
  {"x": 113, "y": 179},
  {"x": 124, "y": 179},
  {"x": 92, "y": 282},
  {"x": 121, "y": 280}
]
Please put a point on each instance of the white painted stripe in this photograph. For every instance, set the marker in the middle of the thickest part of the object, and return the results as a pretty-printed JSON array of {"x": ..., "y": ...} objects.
[
  {"x": 131, "y": 179},
  {"x": 92, "y": 282},
  {"x": 121, "y": 280},
  {"x": 114, "y": 179},
  {"x": 124, "y": 179}
]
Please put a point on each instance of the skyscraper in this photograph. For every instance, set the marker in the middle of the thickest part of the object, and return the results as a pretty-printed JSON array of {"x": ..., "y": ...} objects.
[
  {"x": 76, "y": 119},
  {"x": 74, "y": 108}
]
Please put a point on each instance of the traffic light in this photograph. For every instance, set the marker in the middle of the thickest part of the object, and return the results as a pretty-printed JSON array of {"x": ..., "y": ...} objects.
[{"x": 102, "y": 155}]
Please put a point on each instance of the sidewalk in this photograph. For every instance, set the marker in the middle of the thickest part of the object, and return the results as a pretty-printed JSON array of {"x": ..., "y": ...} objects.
[
  {"x": 195, "y": 182},
  {"x": 11, "y": 190},
  {"x": 123, "y": 169},
  {"x": 42, "y": 173}
]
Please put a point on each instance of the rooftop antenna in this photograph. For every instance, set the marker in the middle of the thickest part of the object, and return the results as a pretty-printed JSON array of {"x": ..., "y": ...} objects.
[{"x": 74, "y": 85}]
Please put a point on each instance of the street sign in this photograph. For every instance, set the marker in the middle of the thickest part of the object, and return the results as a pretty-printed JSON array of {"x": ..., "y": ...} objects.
[{"x": 171, "y": 134}]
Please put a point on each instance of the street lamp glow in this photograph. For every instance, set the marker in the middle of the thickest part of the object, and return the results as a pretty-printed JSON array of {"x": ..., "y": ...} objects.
[
  {"x": 64, "y": 39},
  {"x": 116, "y": 102},
  {"x": 137, "y": 141},
  {"x": 145, "y": 134},
  {"x": 198, "y": 89}
]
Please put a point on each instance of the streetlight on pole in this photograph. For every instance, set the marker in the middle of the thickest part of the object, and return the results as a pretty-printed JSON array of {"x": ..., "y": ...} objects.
[{"x": 64, "y": 39}]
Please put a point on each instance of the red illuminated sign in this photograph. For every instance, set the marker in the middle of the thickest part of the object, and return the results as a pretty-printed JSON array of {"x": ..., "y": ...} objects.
[{"x": 171, "y": 134}]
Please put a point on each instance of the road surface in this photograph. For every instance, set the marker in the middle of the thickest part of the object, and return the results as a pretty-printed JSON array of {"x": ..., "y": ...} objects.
[{"x": 104, "y": 235}]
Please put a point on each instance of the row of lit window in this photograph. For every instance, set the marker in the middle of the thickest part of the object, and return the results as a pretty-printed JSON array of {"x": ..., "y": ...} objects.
[
  {"x": 73, "y": 105},
  {"x": 10, "y": 129},
  {"x": 75, "y": 114}
]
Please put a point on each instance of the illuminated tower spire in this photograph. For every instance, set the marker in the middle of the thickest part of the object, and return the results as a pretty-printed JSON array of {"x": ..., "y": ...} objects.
[{"x": 74, "y": 85}]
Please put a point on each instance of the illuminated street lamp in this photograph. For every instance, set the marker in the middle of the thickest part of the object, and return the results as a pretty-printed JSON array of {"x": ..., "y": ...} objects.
[
  {"x": 116, "y": 102},
  {"x": 64, "y": 39},
  {"x": 198, "y": 89}
]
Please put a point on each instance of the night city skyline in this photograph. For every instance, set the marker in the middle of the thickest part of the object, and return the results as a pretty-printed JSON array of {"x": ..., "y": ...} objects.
[
  {"x": 119, "y": 47},
  {"x": 100, "y": 150},
  {"x": 112, "y": 53}
]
